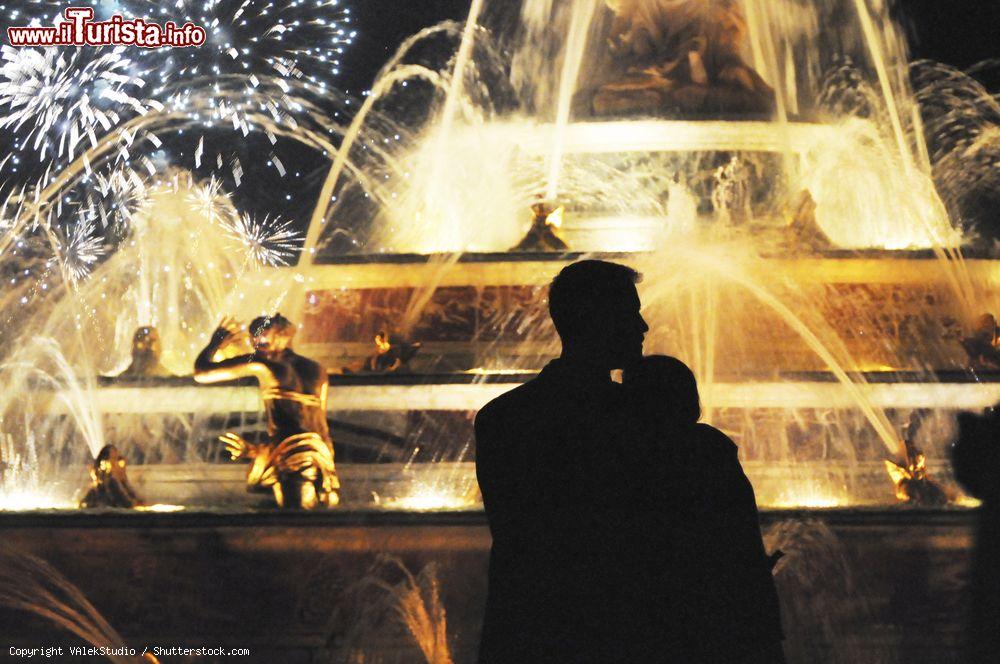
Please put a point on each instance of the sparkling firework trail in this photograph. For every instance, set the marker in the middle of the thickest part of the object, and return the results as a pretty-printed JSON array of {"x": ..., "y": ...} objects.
[
  {"x": 59, "y": 97},
  {"x": 267, "y": 241},
  {"x": 300, "y": 38},
  {"x": 81, "y": 247},
  {"x": 259, "y": 62},
  {"x": 52, "y": 98},
  {"x": 296, "y": 38},
  {"x": 112, "y": 196},
  {"x": 209, "y": 199}
]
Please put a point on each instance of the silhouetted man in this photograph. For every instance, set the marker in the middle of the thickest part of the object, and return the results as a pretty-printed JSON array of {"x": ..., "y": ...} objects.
[{"x": 561, "y": 477}]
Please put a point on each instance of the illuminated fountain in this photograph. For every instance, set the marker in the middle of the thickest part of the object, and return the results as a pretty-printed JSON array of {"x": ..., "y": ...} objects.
[
  {"x": 761, "y": 162},
  {"x": 767, "y": 177}
]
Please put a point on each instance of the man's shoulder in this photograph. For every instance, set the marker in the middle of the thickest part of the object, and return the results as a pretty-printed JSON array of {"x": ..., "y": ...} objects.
[
  {"x": 516, "y": 398},
  {"x": 514, "y": 404}
]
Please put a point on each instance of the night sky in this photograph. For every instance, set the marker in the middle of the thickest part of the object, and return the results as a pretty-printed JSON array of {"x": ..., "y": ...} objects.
[{"x": 957, "y": 32}]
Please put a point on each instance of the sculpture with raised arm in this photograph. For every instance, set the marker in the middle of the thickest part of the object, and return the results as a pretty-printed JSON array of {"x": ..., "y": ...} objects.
[{"x": 296, "y": 462}]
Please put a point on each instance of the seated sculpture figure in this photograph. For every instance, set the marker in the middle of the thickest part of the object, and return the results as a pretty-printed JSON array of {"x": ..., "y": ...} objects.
[
  {"x": 296, "y": 462},
  {"x": 109, "y": 485},
  {"x": 681, "y": 56},
  {"x": 983, "y": 345},
  {"x": 392, "y": 355},
  {"x": 146, "y": 355},
  {"x": 914, "y": 483}
]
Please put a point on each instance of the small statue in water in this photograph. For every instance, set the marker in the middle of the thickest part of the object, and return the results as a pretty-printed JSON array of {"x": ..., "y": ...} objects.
[
  {"x": 983, "y": 346},
  {"x": 296, "y": 463},
  {"x": 914, "y": 485},
  {"x": 109, "y": 485},
  {"x": 390, "y": 356},
  {"x": 803, "y": 228},
  {"x": 543, "y": 234},
  {"x": 681, "y": 55},
  {"x": 146, "y": 353},
  {"x": 731, "y": 197}
]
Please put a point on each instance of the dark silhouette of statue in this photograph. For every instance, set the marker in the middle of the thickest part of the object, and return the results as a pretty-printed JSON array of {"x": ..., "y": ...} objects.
[
  {"x": 803, "y": 228},
  {"x": 913, "y": 481},
  {"x": 983, "y": 345},
  {"x": 718, "y": 586},
  {"x": 681, "y": 56},
  {"x": 109, "y": 485},
  {"x": 392, "y": 355},
  {"x": 296, "y": 462},
  {"x": 146, "y": 353},
  {"x": 543, "y": 234},
  {"x": 562, "y": 482},
  {"x": 976, "y": 460}
]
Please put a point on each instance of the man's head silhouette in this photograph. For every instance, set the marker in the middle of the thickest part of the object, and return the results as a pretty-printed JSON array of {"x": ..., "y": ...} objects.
[{"x": 595, "y": 308}]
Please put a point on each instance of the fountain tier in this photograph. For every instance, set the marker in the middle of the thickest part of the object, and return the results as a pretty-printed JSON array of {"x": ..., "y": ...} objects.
[{"x": 813, "y": 397}]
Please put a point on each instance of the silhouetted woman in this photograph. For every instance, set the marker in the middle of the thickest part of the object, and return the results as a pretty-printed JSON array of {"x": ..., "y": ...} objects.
[{"x": 717, "y": 582}]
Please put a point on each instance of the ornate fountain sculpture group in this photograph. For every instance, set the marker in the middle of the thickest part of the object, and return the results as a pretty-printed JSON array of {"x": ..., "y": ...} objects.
[
  {"x": 681, "y": 56},
  {"x": 296, "y": 462},
  {"x": 671, "y": 56}
]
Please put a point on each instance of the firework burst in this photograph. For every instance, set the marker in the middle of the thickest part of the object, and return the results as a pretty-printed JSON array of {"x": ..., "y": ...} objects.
[
  {"x": 303, "y": 39},
  {"x": 61, "y": 95},
  {"x": 266, "y": 66},
  {"x": 80, "y": 247},
  {"x": 112, "y": 196},
  {"x": 269, "y": 241},
  {"x": 54, "y": 98},
  {"x": 289, "y": 38},
  {"x": 209, "y": 199}
]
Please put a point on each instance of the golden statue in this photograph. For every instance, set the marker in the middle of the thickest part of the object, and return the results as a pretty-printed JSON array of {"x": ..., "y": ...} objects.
[
  {"x": 296, "y": 463},
  {"x": 392, "y": 355},
  {"x": 109, "y": 485},
  {"x": 914, "y": 484},
  {"x": 543, "y": 235},
  {"x": 146, "y": 353},
  {"x": 803, "y": 228},
  {"x": 681, "y": 56}
]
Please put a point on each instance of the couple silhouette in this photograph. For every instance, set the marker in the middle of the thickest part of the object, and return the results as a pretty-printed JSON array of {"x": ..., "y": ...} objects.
[{"x": 623, "y": 530}]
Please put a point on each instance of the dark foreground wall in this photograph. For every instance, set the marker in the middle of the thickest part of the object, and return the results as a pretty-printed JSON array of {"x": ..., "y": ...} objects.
[{"x": 857, "y": 586}]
